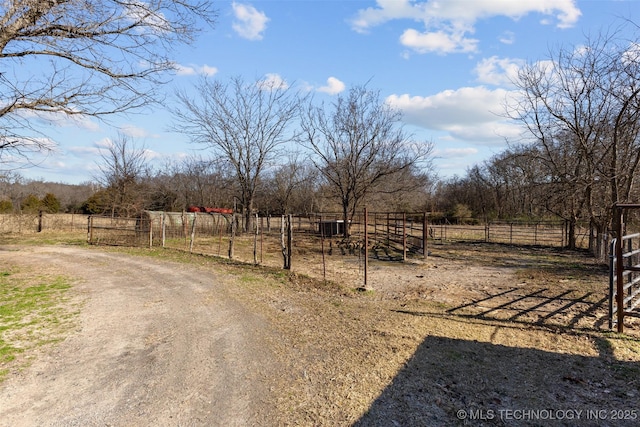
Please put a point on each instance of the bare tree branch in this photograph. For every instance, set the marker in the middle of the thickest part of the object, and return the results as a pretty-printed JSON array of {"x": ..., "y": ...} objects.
[
  {"x": 247, "y": 124},
  {"x": 86, "y": 57},
  {"x": 359, "y": 141}
]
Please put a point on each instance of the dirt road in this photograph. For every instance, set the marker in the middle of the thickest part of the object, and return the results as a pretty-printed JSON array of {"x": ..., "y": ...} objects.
[
  {"x": 156, "y": 343},
  {"x": 185, "y": 341}
]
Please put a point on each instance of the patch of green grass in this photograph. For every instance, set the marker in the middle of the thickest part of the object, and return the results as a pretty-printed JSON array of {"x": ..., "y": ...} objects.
[
  {"x": 33, "y": 312},
  {"x": 249, "y": 278},
  {"x": 76, "y": 238}
]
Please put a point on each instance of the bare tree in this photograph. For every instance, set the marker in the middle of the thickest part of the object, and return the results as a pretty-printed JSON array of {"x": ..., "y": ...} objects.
[
  {"x": 582, "y": 108},
  {"x": 289, "y": 188},
  {"x": 122, "y": 169},
  {"x": 84, "y": 58},
  {"x": 357, "y": 142},
  {"x": 246, "y": 124}
]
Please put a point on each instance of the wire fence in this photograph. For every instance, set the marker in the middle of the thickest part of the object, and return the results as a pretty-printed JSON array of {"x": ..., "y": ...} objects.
[
  {"x": 314, "y": 244},
  {"x": 26, "y": 223}
]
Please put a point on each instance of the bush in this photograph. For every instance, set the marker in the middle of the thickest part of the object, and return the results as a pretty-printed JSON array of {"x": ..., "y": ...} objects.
[
  {"x": 31, "y": 204},
  {"x": 50, "y": 203},
  {"x": 6, "y": 206}
]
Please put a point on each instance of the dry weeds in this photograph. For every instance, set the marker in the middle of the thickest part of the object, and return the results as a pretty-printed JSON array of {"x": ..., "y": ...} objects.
[
  {"x": 490, "y": 330},
  {"x": 474, "y": 335}
]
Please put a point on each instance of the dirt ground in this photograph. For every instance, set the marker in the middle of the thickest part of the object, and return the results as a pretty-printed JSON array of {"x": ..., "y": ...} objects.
[{"x": 473, "y": 335}]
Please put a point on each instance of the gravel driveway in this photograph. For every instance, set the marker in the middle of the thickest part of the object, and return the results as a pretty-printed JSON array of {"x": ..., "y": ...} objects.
[{"x": 156, "y": 343}]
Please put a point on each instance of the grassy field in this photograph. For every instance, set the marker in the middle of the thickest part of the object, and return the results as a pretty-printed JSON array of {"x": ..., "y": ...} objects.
[
  {"x": 475, "y": 329},
  {"x": 33, "y": 313}
]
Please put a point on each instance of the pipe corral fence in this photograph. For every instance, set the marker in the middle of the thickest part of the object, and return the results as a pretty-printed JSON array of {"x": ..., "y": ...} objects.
[
  {"x": 317, "y": 240},
  {"x": 624, "y": 270},
  {"x": 386, "y": 227}
]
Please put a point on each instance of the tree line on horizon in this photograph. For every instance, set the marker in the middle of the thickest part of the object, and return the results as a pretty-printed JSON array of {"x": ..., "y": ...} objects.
[{"x": 579, "y": 110}]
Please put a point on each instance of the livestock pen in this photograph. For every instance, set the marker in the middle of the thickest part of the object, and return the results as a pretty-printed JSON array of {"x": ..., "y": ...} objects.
[{"x": 315, "y": 243}]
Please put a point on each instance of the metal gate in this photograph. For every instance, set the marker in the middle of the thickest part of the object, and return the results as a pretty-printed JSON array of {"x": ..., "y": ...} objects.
[{"x": 624, "y": 271}]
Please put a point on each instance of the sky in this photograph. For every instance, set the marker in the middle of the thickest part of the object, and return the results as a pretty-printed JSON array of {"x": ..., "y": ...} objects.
[{"x": 447, "y": 65}]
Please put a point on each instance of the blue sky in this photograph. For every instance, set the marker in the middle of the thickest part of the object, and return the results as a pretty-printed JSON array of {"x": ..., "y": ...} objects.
[{"x": 445, "y": 64}]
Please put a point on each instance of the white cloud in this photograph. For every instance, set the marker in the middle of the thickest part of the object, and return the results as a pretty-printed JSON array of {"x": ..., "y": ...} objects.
[
  {"x": 62, "y": 119},
  {"x": 333, "y": 87},
  {"x": 105, "y": 142},
  {"x": 192, "y": 70},
  {"x": 508, "y": 37},
  {"x": 134, "y": 131},
  {"x": 82, "y": 151},
  {"x": 472, "y": 114},
  {"x": 498, "y": 71},
  {"x": 272, "y": 81},
  {"x": 141, "y": 13},
  {"x": 439, "y": 42},
  {"x": 455, "y": 153},
  {"x": 447, "y": 24},
  {"x": 249, "y": 22}
]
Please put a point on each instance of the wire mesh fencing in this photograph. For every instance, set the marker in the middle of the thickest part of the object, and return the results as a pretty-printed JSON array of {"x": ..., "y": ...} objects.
[
  {"x": 25, "y": 223},
  {"x": 320, "y": 245}
]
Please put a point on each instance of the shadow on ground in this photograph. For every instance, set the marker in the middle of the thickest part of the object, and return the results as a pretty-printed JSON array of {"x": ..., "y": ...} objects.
[
  {"x": 565, "y": 308},
  {"x": 462, "y": 382}
]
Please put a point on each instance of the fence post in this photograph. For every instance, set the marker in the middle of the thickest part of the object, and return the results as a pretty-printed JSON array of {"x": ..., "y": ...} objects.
[
  {"x": 366, "y": 247},
  {"x": 164, "y": 229},
  {"x": 486, "y": 231},
  {"x": 233, "y": 235},
  {"x": 404, "y": 236},
  {"x": 193, "y": 232},
  {"x": 388, "y": 230},
  {"x": 619, "y": 270},
  {"x": 287, "y": 222},
  {"x": 425, "y": 235},
  {"x": 324, "y": 263},
  {"x": 289, "y": 240},
  {"x": 150, "y": 232},
  {"x": 261, "y": 239},
  {"x": 90, "y": 229},
  {"x": 255, "y": 241}
]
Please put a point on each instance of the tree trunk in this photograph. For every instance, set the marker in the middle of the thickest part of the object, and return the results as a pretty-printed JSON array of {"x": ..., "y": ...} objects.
[
  {"x": 345, "y": 218},
  {"x": 571, "y": 235}
]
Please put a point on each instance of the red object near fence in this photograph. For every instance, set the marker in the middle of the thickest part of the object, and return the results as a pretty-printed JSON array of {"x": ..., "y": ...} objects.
[{"x": 207, "y": 209}]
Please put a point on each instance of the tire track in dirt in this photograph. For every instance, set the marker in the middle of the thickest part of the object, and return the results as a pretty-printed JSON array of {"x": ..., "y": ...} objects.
[{"x": 158, "y": 343}]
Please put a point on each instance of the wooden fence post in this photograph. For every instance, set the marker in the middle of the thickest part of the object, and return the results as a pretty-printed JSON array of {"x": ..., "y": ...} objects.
[
  {"x": 150, "y": 232},
  {"x": 233, "y": 235},
  {"x": 425, "y": 235},
  {"x": 193, "y": 232},
  {"x": 164, "y": 229}
]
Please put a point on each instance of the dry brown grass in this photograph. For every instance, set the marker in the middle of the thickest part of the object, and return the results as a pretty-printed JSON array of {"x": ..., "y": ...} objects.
[
  {"x": 532, "y": 336},
  {"x": 484, "y": 329}
]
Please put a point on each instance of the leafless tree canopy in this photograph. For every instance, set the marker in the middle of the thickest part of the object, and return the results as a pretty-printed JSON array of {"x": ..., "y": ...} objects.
[
  {"x": 85, "y": 57},
  {"x": 246, "y": 124},
  {"x": 357, "y": 142},
  {"x": 583, "y": 109},
  {"x": 122, "y": 171}
]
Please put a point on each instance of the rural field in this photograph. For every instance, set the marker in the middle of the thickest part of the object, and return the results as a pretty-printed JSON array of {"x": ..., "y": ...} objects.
[{"x": 476, "y": 334}]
